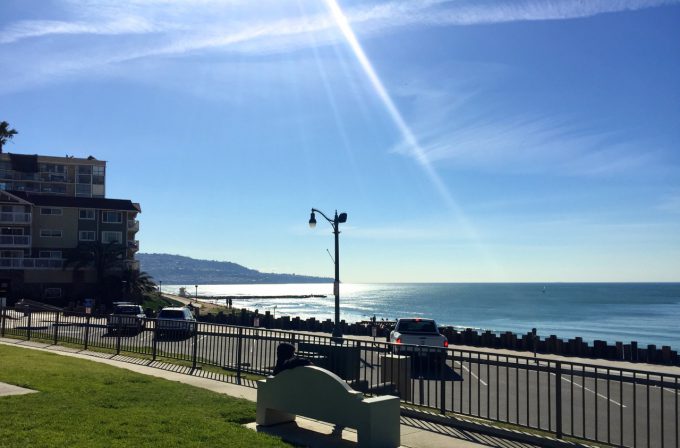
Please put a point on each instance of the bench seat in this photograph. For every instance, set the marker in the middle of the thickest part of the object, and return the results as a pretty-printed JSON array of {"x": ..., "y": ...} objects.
[{"x": 316, "y": 393}]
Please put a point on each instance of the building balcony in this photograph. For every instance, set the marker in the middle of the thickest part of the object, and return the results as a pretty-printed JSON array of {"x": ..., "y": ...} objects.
[
  {"x": 133, "y": 245},
  {"x": 15, "y": 217},
  {"x": 31, "y": 263},
  {"x": 132, "y": 264},
  {"x": 15, "y": 241},
  {"x": 133, "y": 225}
]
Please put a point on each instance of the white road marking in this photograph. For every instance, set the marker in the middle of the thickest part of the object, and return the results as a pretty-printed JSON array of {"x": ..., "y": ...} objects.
[
  {"x": 592, "y": 391},
  {"x": 470, "y": 372}
]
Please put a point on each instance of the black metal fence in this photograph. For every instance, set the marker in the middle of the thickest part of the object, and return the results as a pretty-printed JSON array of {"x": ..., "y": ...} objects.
[{"x": 601, "y": 403}]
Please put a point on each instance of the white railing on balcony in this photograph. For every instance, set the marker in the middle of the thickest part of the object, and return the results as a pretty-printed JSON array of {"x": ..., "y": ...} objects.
[
  {"x": 7, "y": 217},
  {"x": 15, "y": 240},
  {"x": 133, "y": 225},
  {"x": 31, "y": 263}
]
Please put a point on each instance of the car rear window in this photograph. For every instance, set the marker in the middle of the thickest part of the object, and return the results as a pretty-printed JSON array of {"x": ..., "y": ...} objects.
[
  {"x": 171, "y": 314},
  {"x": 417, "y": 326},
  {"x": 127, "y": 310}
]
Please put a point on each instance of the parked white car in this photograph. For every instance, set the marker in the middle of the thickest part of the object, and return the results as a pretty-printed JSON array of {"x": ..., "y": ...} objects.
[
  {"x": 175, "y": 320},
  {"x": 419, "y": 338}
]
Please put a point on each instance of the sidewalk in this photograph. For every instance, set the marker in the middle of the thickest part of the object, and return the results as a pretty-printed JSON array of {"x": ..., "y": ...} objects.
[{"x": 415, "y": 433}]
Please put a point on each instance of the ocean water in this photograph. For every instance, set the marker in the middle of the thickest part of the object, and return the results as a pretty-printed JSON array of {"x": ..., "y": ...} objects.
[{"x": 648, "y": 313}]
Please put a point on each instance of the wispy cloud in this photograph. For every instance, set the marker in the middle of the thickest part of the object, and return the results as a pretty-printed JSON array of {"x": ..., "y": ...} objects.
[
  {"x": 452, "y": 134},
  {"x": 222, "y": 23},
  {"x": 40, "y": 28}
]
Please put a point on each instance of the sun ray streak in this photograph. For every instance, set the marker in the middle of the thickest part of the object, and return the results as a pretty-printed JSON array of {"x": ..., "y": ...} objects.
[{"x": 398, "y": 119}]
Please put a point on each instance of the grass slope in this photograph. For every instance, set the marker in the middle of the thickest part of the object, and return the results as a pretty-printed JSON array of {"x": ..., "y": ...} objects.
[{"x": 85, "y": 404}]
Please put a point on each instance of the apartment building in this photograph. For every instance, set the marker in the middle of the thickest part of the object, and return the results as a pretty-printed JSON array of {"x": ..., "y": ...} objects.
[{"x": 51, "y": 208}]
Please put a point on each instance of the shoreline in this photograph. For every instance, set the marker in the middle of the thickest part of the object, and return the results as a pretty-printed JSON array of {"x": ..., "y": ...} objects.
[{"x": 462, "y": 336}]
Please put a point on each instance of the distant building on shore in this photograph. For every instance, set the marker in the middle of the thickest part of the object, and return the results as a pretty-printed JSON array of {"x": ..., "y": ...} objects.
[{"x": 56, "y": 226}]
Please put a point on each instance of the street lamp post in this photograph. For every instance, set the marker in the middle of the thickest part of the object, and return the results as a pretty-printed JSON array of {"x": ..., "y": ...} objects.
[
  {"x": 196, "y": 295},
  {"x": 160, "y": 287},
  {"x": 335, "y": 222}
]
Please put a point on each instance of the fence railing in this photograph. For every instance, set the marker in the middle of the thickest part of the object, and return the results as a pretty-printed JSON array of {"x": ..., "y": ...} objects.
[{"x": 595, "y": 402}]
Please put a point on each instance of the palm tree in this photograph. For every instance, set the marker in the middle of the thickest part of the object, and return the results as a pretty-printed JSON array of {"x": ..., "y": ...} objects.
[
  {"x": 6, "y": 134},
  {"x": 137, "y": 284},
  {"x": 103, "y": 258}
]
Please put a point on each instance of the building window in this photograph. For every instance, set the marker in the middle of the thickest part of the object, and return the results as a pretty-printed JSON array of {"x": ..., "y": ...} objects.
[
  {"x": 50, "y": 233},
  {"x": 87, "y": 235},
  {"x": 84, "y": 169},
  {"x": 51, "y": 168},
  {"x": 98, "y": 170},
  {"x": 112, "y": 217},
  {"x": 50, "y": 211},
  {"x": 53, "y": 188},
  {"x": 50, "y": 254},
  {"x": 112, "y": 237},
  {"x": 11, "y": 231},
  {"x": 12, "y": 254},
  {"x": 83, "y": 190},
  {"x": 86, "y": 214},
  {"x": 52, "y": 293},
  {"x": 84, "y": 179}
]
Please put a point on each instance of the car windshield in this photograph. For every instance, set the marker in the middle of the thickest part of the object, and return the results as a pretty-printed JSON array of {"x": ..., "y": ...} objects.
[
  {"x": 171, "y": 314},
  {"x": 127, "y": 310},
  {"x": 417, "y": 326}
]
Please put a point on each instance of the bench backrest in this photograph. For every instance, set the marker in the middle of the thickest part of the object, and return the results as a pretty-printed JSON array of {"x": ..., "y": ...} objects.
[{"x": 312, "y": 392}]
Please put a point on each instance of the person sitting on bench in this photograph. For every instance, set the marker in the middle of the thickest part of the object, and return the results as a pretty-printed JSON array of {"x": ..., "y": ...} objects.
[{"x": 286, "y": 359}]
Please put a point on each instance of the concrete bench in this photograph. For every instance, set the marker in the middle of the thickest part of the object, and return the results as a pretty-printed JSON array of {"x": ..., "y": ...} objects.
[
  {"x": 319, "y": 394},
  {"x": 342, "y": 360}
]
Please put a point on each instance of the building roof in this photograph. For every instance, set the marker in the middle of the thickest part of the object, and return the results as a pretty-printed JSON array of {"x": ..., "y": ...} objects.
[
  {"x": 68, "y": 160},
  {"x": 51, "y": 200}
]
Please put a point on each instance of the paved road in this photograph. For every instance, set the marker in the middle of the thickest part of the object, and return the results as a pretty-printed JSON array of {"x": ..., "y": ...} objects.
[{"x": 602, "y": 404}]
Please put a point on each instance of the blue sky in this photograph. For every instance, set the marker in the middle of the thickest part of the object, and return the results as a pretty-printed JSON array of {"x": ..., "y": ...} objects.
[{"x": 466, "y": 140}]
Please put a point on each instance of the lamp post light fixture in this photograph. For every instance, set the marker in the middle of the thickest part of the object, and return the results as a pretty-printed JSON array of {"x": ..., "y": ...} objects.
[{"x": 335, "y": 222}]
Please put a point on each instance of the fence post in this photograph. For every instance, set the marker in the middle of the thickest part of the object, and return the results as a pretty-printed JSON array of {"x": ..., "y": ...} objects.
[
  {"x": 28, "y": 331},
  {"x": 442, "y": 392},
  {"x": 118, "y": 330},
  {"x": 154, "y": 343},
  {"x": 56, "y": 327},
  {"x": 194, "y": 350},
  {"x": 3, "y": 316},
  {"x": 87, "y": 331},
  {"x": 238, "y": 355},
  {"x": 558, "y": 399}
]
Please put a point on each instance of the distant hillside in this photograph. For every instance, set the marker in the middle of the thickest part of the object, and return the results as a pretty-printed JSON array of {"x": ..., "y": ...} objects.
[{"x": 179, "y": 270}]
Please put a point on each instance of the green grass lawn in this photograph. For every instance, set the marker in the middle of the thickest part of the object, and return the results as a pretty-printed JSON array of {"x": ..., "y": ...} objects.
[{"x": 86, "y": 404}]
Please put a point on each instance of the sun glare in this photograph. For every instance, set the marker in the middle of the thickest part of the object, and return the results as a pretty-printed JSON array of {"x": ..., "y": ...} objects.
[{"x": 406, "y": 132}]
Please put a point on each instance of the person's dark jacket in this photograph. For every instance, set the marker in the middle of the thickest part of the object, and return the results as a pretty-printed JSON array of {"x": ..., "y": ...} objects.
[
  {"x": 286, "y": 359},
  {"x": 291, "y": 363}
]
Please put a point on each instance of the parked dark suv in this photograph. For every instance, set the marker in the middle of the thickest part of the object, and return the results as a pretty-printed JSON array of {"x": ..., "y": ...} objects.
[{"x": 126, "y": 317}]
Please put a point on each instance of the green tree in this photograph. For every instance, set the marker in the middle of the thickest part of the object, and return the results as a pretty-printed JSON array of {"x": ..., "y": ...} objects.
[
  {"x": 6, "y": 134},
  {"x": 106, "y": 260},
  {"x": 137, "y": 284}
]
